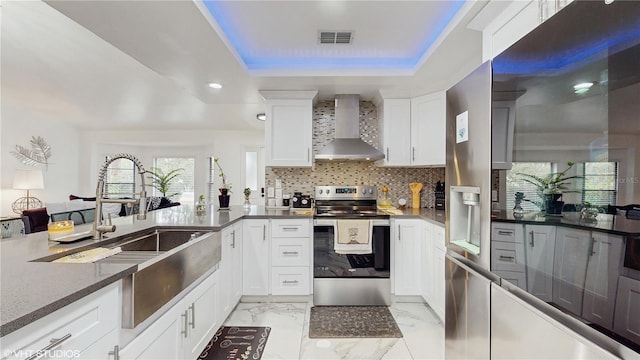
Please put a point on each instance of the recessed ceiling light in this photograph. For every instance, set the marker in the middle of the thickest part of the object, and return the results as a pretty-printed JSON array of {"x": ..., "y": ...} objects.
[
  {"x": 215, "y": 85},
  {"x": 582, "y": 88},
  {"x": 261, "y": 117}
]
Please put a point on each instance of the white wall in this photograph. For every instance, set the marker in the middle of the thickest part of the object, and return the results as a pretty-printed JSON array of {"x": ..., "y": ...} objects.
[
  {"x": 18, "y": 124},
  {"x": 228, "y": 146}
]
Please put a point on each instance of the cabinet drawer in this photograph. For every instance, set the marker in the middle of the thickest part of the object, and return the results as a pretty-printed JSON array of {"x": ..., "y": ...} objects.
[
  {"x": 75, "y": 327},
  {"x": 290, "y": 280},
  {"x": 505, "y": 256},
  {"x": 290, "y": 252},
  {"x": 504, "y": 232},
  {"x": 290, "y": 228}
]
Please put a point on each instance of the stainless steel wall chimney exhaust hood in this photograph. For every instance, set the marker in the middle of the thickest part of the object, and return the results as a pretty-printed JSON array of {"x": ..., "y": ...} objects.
[{"x": 347, "y": 144}]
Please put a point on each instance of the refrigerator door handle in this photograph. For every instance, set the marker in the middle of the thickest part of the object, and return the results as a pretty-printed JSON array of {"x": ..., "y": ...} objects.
[{"x": 531, "y": 241}]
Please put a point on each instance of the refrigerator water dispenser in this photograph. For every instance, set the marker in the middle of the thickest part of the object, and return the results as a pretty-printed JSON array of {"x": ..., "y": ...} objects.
[{"x": 465, "y": 218}]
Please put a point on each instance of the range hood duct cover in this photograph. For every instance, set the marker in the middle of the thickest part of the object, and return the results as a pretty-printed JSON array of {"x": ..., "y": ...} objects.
[{"x": 347, "y": 144}]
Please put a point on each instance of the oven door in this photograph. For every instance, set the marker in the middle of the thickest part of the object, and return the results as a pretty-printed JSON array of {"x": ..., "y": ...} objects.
[{"x": 328, "y": 264}]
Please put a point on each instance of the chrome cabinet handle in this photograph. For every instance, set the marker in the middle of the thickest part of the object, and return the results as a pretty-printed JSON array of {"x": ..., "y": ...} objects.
[
  {"x": 193, "y": 315},
  {"x": 185, "y": 315},
  {"x": 387, "y": 153},
  {"x": 592, "y": 246},
  {"x": 531, "y": 242},
  {"x": 308, "y": 154},
  {"x": 399, "y": 233},
  {"x": 502, "y": 257},
  {"x": 289, "y": 253},
  {"x": 115, "y": 353},
  {"x": 264, "y": 232},
  {"x": 290, "y": 228},
  {"x": 53, "y": 344},
  {"x": 233, "y": 239},
  {"x": 502, "y": 232},
  {"x": 413, "y": 153},
  {"x": 289, "y": 282}
]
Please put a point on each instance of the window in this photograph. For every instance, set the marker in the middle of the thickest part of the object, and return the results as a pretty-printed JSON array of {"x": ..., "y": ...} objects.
[
  {"x": 600, "y": 179},
  {"x": 251, "y": 170},
  {"x": 183, "y": 184},
  {"x": 120, "y": 179},
  {"x": 516, "y": 183}
]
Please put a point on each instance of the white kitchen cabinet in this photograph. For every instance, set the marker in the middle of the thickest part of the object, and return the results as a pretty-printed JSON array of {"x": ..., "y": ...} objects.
[
  {"x": 502, "y": 126},
  {"x": 256, "y": 250},
  {"x": 627, "y": 321},
  {"x": 231, "y": 268},
  {"x": 422, "y": 121},
  {"x": 570, "y": 268},
  {"x": 428, "y": 129},
  {"x": 291, "y": 241},
  {"x": 84, "y": 328},
  {"x": 427, "y": 268},
  {"x": 202, "y": 315},
  {"x": 508, "y": 254},
  {"x": 184, "y": 330},
  {"x": 539, "y": 249},
  {"x": 408, "y": 238},
  {"x": 394, "y": 123},
  {"x": 439, "y": 251},
  {"x": 288, "y": 128},
  {"x": 601, "y": 284}
]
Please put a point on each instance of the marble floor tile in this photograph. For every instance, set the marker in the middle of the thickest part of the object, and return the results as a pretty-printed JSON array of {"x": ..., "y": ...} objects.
[{"x": 423, "y": 334}]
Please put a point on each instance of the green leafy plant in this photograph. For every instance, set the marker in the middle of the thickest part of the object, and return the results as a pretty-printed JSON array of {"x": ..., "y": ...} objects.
[
  {"x": 161, "y": 181},
  {"x": 551, "y": 186},
  {"x": 225, "y": 184},
  {"x": 201, "y": 198},
  {"x": 247, "y": 192}
]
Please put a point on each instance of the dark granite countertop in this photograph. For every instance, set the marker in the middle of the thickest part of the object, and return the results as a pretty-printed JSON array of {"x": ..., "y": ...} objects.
[
  {"x": 29, "y": 290},
  {"x": 612, "y": 224}
]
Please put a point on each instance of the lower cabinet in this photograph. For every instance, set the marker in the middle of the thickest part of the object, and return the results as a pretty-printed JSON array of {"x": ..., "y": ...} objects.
[
  {"x": 407, "y": 238},
  {"x": 184, "y": 330},
  {"x": 539, "y": 241},
  {"x": 627, "y": 321},
  {"x": 601, "y": 285},
  {"x": 439, "y": 251},
  {"x": 570, "y": 268},
  {"x": 291, "y": 256},
  {"x": 87, "y": 328},
  {"x": 231, "y": 267},
  {"x": 255, "y": 256}
]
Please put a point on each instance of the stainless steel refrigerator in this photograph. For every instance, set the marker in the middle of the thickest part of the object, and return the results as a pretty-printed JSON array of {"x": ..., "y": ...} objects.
[{"x": 468, "y": 179}]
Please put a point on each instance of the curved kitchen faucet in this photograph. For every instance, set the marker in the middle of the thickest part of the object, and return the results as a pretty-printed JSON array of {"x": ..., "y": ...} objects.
[{"x": 98, "y": 227}]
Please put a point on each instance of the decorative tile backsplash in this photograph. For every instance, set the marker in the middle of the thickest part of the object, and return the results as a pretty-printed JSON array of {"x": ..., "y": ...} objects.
[{"x": 354, "y": 173}]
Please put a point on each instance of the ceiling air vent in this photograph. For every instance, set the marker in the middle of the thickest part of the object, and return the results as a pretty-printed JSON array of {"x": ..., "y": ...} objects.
[{"x": 335, "y": 37}]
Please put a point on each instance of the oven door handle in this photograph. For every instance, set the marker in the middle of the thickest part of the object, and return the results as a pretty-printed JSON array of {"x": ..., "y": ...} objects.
[{"x": 324, "y": 222}]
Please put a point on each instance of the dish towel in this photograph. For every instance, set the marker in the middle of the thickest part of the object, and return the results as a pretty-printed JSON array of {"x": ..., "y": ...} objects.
[{"x": 353, "y": 237}]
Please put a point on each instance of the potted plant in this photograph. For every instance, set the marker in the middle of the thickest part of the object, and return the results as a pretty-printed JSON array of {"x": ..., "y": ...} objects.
[
  {"x": 162, "y": 181},
  {"x": 247, "y": 193},
  {"x": 201, "y": 205},
  {"x": 225, "y": 189},
  {"x": 550, "y": 189}
]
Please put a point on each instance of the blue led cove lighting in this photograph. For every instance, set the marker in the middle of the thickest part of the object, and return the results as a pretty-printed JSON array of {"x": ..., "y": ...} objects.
[{"x": 252, "y": 62}]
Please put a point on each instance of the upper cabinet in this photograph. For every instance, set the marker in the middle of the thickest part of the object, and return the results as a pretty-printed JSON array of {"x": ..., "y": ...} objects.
[
  {"x": 288, "y": 128},
  {"x": 420, "y": 120}
]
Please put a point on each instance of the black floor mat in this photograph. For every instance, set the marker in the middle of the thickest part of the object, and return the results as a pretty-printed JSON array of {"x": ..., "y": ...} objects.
[{"x": 361, "y": 261}]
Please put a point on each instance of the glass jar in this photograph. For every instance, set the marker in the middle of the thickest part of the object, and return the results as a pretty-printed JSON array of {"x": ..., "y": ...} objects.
[
  {"x": 518, "y": 212},
  {"x": 384, "y": 201}
]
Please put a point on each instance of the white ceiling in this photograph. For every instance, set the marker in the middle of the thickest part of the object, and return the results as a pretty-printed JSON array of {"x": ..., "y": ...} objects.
[{"x": 117, "y": 65}]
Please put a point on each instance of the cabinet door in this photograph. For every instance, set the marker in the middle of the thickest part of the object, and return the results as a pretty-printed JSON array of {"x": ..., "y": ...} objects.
[
  {"x": 407, "y": 257},
  {"x": 570, "y": 268},
  {"x": 427, "y": 264},
  {"x": 439, "y": 286},
  {"x": 395, "y": 125},
  {"x": 627, "y": 321},
  {"x": 226, "y": 271},
  {"x": 237, "y": 261},
  {"x": 202, "y": 322},
  {"x": 603, "y": 269},
  {"x": 255, "y": 264},
  {"x": 539, "y": 248},
  {"x": 288, "y": 131},
  {"x": 161, "y": 340},
  {"x": 503, "y": 120},
  {"x": 428, "y": 129}
]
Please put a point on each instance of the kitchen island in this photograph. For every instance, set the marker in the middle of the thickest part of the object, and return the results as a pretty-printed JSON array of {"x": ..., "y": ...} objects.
[{"x": 32, "y": 289}]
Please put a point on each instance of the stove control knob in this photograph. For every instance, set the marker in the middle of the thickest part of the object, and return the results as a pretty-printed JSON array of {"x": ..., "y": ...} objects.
[
  {"x": 371, "y": 191},
  {"x": 320, "y": 191}
]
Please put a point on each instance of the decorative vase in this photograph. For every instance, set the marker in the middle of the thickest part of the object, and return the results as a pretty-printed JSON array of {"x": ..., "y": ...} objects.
[
  {"x": 246, "y": 203},
  {"x": 553, "y": 205},
  {"x": 518, "y": 212},
  {"x": 201, "y": 208}
]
